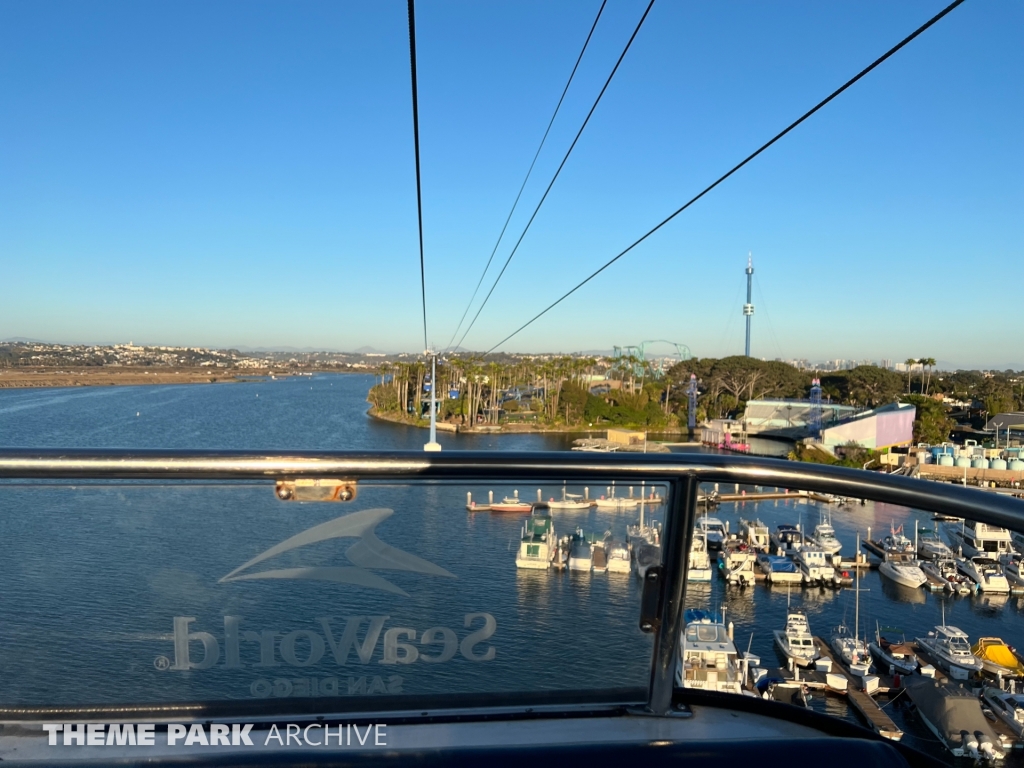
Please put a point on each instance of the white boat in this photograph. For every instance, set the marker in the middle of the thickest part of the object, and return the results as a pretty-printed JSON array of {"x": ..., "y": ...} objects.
[
  {"x": 538, "y": 544},
  {"x": 755, "y": 534},
  {"x": 618, "y": 556},
  {"x": 906, "y": 572},
  {"x": 824, "y": 537},
  {"x": 714, "y": 531},
  {"x": 1008, "y": 707},
  {"x": 984, "y": 571},
  {"x": 954, "y": 715},
  {"x": 613, "y": 502},
  {"x": 945, "y": 569},
  {"x": 997, "y": 658},
  {"x": 569, "y": 501},
  {"x": 951, "y": 649},
  {"x": 708, "y": 659},
  {"x": 849, "y": 648},
  {"x": 736, "y": 563},
  {"x": 787, "y": 540},
  {"x": 796, "y": 641},
  {"x": 698, "y": 569},
  {"x": 1013, "y": 569},
  {"x": 973, "y": 538},
  {"x": 814, "y": 566},
  {"x": 778, "y": 569},
  {"x": 581, "y": 555},
  {"x": 931, "y": 547}
]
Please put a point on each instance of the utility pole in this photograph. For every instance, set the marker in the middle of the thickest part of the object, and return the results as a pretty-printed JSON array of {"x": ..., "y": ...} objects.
[
  {"x": 748, "y": 308},
  {"x": 691, "y": 414}
]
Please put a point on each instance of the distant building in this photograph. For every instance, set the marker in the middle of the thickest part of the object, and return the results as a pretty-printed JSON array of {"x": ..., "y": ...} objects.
[
  {"x": 1014, "y": 422},
  {"x": 791, "y": 418},
  {"x": 884, "y": 427}
]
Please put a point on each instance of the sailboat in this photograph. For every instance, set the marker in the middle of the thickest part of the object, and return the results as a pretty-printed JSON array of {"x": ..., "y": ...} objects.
[
  {"x": 614, "y": 502},
  {"x": 569, "y": 501},
  {"x": 851, "y": 650}
]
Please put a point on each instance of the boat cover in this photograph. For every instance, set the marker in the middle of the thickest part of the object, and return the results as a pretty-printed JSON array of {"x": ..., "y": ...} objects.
[
  {"x": 948, "y": 707},
  {"x": 994, "y": 650}
]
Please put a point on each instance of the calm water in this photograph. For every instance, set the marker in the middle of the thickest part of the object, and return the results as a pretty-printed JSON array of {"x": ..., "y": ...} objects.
[{"x": 95, "y": 575}]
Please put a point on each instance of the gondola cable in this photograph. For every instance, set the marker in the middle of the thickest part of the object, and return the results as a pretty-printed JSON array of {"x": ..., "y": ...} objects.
[
  {"x": 543, "y": 139},
  {"x": 557, "y": 172},
  {"x": 735, "y": 168},
  {"x": 416, "y": 143}
]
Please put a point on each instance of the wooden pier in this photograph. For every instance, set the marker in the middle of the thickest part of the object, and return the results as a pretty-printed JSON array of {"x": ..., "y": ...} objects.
[{"x": 866, "y": 706}]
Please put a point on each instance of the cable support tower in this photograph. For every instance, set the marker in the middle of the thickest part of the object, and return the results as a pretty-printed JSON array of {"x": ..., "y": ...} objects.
[{"x": 909, "y": 38}]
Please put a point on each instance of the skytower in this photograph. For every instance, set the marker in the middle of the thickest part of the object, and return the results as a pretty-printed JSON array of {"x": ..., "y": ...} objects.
[{"x": 748, "y": 308}]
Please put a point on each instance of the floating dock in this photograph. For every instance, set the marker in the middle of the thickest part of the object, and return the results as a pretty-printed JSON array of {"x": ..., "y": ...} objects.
[{"x": 866, "y": 706}]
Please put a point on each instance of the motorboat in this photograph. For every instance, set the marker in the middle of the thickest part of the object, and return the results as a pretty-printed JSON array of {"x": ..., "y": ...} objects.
[
  {"x": 618, "y": 555},
  {"x": 698, "y": 568},
  {"x": 581, "y": 554},
  {"x": 898, "y": 656},
  {"x": 906, "y": 573},
  {"x": 824, "y": 537},
  {"x": 708, "y": 658},
  {"x": 1008, "y": 707},
  {"x": 896, "y": 545},
  {"x": 714, "y": 531},
  {"x": 647, "y": 555},
  {"x": 538, "y": 544},
  {"x": 951, "y": 649},
  {"x": 973, "y": 538},
  {"x": 954, "y": 715},
  {"x": 787, "y": 540},
  {"x": 931, "y": 547},
  {"x": 796, "y": 641},
  {"x": 945, "y": 569},
  {"x": 1013, "y": 569},
  {"x": 755, "y": 534},
  {"x": 736, "y": 563},
  {"x": 814, "y": 566},
  {"x": 984, "y": 571},
  {"x": 997, "y": 658},
  {"x": 778, "y": 569},
  {"x": 511, "y": 504}
]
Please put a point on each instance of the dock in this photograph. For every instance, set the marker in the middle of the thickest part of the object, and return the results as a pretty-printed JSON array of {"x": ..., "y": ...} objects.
[{"x": 866, "y": 706}]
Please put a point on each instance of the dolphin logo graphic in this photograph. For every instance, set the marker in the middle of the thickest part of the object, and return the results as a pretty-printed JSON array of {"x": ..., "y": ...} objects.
[{"x": 368, "y": 552}]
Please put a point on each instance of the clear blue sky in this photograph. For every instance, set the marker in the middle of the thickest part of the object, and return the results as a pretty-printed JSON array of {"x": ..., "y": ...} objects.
[{"x": 228, "y": 173}]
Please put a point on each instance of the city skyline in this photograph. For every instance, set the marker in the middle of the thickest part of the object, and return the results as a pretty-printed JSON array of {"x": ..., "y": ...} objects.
[{"x": 248, "y": 181}]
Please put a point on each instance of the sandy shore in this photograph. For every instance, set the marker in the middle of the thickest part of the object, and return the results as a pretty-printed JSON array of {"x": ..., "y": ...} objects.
[{"x": 17, "y": 378}]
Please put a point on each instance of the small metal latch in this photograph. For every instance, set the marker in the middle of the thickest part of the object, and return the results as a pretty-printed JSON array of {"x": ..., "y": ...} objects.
[
  {"x": 650, "y": 601},
  {"x": 315, "y": 489}
]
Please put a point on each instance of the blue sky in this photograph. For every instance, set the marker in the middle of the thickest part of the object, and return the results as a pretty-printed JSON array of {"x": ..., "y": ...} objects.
[{"x": 224, "y": 173}]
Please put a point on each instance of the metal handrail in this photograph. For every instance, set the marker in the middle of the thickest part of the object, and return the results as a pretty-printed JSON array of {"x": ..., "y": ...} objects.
[{"x": 683, "y": 472}]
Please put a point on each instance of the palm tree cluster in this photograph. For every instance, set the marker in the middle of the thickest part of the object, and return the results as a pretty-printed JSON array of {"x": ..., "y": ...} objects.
[{"x": 925, "y": 363}]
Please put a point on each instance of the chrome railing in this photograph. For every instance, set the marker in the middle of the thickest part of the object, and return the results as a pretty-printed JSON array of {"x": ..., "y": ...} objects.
[{"x": 682, "y": 473}]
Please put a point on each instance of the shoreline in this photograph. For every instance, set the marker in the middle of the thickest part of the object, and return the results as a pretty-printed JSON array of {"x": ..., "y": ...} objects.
[
  {"x": 39, "y": 378},
  {"x": 505, "y": 429}
]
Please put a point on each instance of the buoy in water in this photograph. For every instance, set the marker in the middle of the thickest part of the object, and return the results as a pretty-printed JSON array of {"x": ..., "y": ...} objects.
[{"x": 137, "y": 413}]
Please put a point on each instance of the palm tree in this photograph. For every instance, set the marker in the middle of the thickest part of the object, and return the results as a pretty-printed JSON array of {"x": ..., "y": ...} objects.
[
  {"x": 929, "y": 362},
  {"x": 910, "y": 363}
]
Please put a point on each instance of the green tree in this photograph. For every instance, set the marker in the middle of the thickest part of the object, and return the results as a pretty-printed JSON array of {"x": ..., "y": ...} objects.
[{"x": 932, "y": 424}]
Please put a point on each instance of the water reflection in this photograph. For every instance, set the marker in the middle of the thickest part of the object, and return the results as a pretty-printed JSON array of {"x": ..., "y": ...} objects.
[{"x": 901, "y": 594}]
